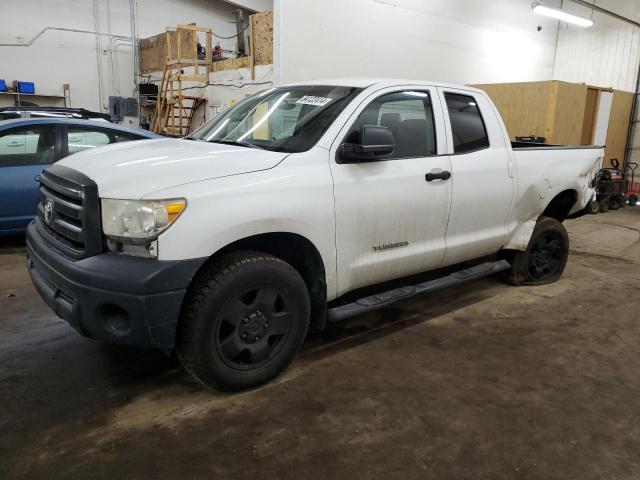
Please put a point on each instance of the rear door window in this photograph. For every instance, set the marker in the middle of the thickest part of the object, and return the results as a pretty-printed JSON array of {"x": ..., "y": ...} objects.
[
  {"x": 467, "y": 125},
  {"x": 34, "y": 145},
  {"x": 84, "y": 138}
]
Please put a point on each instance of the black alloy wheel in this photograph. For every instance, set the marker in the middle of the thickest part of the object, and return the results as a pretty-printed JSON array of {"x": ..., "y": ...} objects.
[
  {"x": 253, "y": 327},
  {"x": 545, "y": 257},
  {"x": 244, "y": 318}
]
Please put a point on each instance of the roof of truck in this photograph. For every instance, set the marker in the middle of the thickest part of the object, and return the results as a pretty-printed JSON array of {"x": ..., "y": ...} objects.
[{"x": 364, "y": 82}]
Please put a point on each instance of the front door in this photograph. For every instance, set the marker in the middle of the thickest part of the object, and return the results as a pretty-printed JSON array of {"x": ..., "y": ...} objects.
[
  {"x": 391, "y": 221},
  {"x": 24, "y": 153}
]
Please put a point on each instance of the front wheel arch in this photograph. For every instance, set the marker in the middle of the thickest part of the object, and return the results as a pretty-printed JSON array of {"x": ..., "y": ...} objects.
[{"x": 296, "y": 250}]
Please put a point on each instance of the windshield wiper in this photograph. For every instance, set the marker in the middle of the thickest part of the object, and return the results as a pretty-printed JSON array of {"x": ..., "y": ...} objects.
[{"x": 236, "y": 142}]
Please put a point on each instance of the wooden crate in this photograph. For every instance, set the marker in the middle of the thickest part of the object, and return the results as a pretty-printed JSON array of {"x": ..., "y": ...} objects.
[
  {"x": 155, "y": 51},
  {"x": 561, "y": 112},
  {"x": 553, "y": 110}
]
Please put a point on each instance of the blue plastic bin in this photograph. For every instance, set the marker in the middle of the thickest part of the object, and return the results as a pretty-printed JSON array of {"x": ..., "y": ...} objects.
[
  {"x": 26, "y": 87},
  {"x": 3, "y": 85}
]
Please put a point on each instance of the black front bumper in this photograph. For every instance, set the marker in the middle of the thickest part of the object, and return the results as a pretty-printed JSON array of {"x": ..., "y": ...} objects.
[{"x": 111, "y": 297}]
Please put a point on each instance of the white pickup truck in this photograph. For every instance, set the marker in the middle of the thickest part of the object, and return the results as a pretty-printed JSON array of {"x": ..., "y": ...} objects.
[{"x": 228, "y": 245}]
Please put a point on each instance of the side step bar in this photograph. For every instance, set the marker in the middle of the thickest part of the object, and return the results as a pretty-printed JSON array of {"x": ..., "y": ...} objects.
[{"x": 381, "y": 300}]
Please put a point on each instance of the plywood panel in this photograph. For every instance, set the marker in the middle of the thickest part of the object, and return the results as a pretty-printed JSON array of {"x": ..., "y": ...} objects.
[
  {"x": 188, "y": 45},
  {"x": 618, "y": 126},
  {"x": 154, "y": 51},
  {"x": 553, "y": 110},
  {"x": 568, "y": 114},
  {"x": 523, "y": 106},
  {"x": 262, "y": 35},
  {"x": 230, "y": 64}
]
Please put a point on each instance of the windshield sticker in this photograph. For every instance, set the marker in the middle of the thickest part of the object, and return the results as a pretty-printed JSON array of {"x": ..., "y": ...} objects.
[{"x": 313, "y": 100}]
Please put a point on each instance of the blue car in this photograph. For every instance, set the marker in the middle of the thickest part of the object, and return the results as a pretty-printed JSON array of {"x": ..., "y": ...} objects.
[{"x": 28, "y": 146}]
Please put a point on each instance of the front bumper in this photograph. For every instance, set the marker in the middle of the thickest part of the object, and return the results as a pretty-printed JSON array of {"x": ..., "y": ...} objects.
[{"x": 111, "y": 297}]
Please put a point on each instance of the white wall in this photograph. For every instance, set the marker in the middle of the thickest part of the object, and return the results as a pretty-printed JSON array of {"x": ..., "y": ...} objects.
[
  {"x": 606, "y": 54},
  {"x": 66, "y": 57},
  {"x": 461, "y": 41}
]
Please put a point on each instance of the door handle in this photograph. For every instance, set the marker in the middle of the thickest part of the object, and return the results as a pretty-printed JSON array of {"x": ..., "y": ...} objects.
[
  {"x": 15, "y": 144},
  {"x": 431, "y": 176}
]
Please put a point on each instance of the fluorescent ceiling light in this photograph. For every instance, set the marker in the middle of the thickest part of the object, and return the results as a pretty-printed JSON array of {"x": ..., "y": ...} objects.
[{"x": 560, "y": 15}]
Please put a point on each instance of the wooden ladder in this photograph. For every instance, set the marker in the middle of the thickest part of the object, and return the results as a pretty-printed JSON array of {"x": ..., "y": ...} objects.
[{"x": 175, "y": 110}]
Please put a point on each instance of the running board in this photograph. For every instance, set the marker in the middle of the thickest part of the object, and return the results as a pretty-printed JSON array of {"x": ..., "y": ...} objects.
[{"x": 381, "y": 300}]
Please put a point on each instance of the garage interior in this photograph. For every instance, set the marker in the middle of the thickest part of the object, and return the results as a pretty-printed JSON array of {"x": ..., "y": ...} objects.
[{"x": 480, "y": 381}]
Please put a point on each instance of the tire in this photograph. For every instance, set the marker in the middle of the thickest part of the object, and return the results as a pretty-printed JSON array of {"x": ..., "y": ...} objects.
[
  {"x": 544, "y": 259},
  {"x": 244, "y": 319},
  {"x": 604, "y": 205},
  {"x": 615, "y": 202},
  {"x": 593, "y": 207},
  {"x": 633, "y": 200}
]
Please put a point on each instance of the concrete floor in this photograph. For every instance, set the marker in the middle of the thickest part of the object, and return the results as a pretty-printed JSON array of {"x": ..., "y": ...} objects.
[{"x": 483, "y": 382}]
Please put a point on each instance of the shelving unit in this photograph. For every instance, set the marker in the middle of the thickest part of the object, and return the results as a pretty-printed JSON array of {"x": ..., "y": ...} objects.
[{"x": 17, "y": 96}]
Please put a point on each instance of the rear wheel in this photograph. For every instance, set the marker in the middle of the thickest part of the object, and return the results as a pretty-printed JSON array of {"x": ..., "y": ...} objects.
[
  {"x": 544, "y": 259},
  {"x": 593, "y": 207},
  {"x": 244, "y": 320},
  {"x": 633, "y": 200}
]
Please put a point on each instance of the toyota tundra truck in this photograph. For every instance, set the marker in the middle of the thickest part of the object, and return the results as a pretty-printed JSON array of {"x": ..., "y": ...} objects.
[{"x": 296, "y": 208}]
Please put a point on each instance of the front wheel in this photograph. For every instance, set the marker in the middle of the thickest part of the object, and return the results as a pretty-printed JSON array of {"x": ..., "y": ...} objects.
[
  {"x": 243, "y": 322},
  {"x": 544, "y": 259}
]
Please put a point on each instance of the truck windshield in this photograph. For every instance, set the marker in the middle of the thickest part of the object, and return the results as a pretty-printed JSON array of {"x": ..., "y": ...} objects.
[{"x": 288, "y": 119}]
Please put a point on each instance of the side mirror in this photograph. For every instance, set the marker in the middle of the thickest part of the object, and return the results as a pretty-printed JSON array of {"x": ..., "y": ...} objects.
[{"x": 376, "y": 142}]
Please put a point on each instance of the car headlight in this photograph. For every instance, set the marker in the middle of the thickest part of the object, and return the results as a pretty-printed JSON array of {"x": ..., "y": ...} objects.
[{"x": 139, "y": 221}]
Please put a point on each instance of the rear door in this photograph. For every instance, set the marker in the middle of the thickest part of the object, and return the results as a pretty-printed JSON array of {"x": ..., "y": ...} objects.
[
  {"x": 24, "y": 153},
  {"x": 482, "y": 180},
  {"x": 391, "y": 221}
]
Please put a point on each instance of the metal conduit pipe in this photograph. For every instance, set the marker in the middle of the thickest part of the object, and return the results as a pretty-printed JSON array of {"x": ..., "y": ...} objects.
[
  {"x": 60, "y": 29},
  {"x": 133, "y": 12}
]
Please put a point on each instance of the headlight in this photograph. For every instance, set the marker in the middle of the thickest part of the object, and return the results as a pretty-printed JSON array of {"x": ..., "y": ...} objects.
[{"x": 139, "y": 220}]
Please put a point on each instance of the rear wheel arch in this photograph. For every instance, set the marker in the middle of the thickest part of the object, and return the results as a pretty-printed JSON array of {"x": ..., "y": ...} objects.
[{"x": 560, "y": 205}]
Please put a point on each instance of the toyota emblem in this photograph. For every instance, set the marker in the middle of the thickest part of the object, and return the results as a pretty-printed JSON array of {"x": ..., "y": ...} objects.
[{"x": 48, "y": 210}]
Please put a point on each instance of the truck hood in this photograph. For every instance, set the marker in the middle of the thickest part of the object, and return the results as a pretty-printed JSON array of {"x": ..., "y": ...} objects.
[{"x": 134, "y": 169}]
